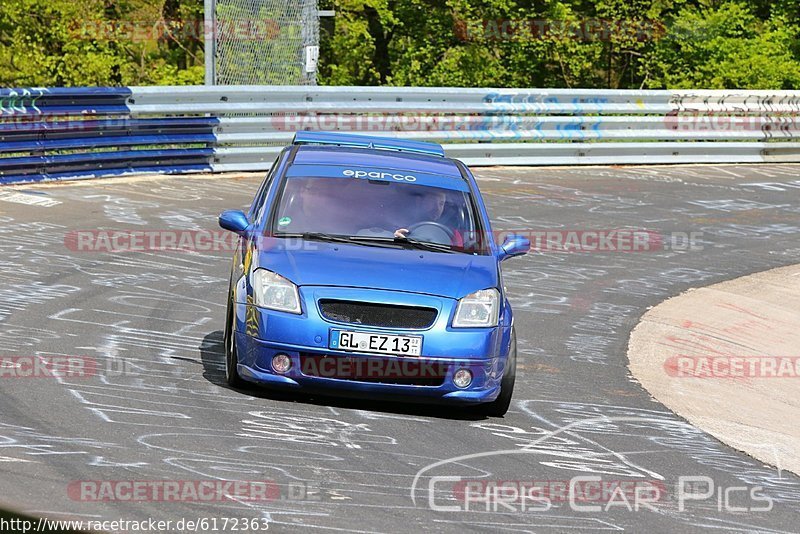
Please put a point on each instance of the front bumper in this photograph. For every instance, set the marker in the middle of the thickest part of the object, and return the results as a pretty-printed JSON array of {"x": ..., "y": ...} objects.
[{"x": 261, "y": 334}]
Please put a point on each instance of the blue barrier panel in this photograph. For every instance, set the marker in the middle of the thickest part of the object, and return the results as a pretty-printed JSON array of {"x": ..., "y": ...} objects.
[
  {"x": 99, "y": 160},
  {"x": 103, "y": 173},
  {"x": 99, "y": 142},
  {"x": 31, "y": 102},
  {"x": 62, "y": 110},
  {"x": 68, "y": 92},
  {"x": 37, "y": 125},
  {"x": 46, "y": 129}
]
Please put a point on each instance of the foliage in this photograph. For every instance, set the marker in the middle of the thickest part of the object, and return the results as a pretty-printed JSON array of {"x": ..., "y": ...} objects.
[
  {"x": 726, "y": 45},
  {"x": 748, "y": 44},
  {"x": 753, "y": 44},
  {"x": 100, "y": 42}
]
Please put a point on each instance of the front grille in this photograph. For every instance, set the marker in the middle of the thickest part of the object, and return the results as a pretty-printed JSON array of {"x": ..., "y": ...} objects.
[
  {"x": 403, "y": 371},
  {"x": 375, "y": 314}
]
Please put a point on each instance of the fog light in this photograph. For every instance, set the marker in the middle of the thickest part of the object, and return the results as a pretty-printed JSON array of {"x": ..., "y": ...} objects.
[
  {"x": 462, "y": 378},
  {"x": 281, "y": 363}
]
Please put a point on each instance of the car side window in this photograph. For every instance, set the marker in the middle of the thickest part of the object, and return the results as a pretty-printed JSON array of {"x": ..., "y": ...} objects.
[{"x": 258, "y": 202}]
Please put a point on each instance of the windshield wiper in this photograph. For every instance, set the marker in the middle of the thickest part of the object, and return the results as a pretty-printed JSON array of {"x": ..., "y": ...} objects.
[
  {"x": 320, "y": 236},
  {"x": 376, "y": 241},
  {"x": 415, "y": 243},
  {"x": 332, "y": 238},
  {"x": 315, "y": 236},
  {"x": 424, "y": 245}
]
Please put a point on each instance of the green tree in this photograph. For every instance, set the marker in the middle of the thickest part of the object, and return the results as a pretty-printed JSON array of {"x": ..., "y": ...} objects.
[
  {"x": 722, "y": 45},
  {"x": 749, "y": 44},
  {"x": 605, "y": 43},
  {"x": 100, "y": 42}
]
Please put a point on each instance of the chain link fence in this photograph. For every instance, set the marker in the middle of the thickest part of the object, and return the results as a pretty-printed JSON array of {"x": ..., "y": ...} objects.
[{"x": 264, "y": 42}]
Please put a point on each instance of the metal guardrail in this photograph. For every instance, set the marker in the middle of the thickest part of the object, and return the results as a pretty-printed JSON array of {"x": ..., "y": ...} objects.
[{"x": 84, "y": 132}]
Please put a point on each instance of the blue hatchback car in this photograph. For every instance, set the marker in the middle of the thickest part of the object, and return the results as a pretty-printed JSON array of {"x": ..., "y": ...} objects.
[{"x": 365, "y": 266}]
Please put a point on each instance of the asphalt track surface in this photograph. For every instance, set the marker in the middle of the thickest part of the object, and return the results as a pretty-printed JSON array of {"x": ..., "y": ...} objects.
[{"x": 160, "y": 410}]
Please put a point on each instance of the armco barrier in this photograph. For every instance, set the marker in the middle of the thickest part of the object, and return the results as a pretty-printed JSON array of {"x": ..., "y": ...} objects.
[{"x": 87, "y": 132}]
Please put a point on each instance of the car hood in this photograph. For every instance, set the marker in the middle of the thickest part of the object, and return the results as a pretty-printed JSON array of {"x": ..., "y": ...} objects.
[{"x": 344, "y": 265}]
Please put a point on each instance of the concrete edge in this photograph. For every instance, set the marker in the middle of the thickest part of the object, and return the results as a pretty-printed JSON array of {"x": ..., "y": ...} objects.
[{"x": 706, "y": 355}]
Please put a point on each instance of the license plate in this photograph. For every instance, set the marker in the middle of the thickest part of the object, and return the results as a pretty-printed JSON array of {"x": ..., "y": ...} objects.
[{"x": 376, "y": 343}]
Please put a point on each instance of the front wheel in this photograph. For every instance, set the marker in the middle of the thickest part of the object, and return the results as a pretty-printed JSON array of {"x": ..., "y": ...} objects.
[
  {"x": 231, "y": 359},
  {"x": 499, "y": 406}
]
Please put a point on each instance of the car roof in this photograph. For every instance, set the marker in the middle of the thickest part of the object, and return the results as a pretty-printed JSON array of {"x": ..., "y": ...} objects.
[{"x": 376, "y": 158}]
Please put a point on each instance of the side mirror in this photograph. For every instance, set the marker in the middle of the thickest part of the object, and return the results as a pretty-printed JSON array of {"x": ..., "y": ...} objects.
[
  {"x": 514, "y": 245},
  {"x": 235, "y": 221}
]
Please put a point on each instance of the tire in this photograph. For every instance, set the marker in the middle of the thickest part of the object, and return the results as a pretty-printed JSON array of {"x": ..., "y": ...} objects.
[
  {"x": 232, "y": 377},
  {"x": 499, "y": 406}
]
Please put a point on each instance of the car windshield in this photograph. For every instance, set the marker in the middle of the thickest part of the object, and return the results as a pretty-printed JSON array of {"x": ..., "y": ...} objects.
[{"x": 357, "y": 207}]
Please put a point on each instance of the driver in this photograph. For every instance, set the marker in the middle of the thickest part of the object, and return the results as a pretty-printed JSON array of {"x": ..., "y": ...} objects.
[{"x": 430, "y": 208}]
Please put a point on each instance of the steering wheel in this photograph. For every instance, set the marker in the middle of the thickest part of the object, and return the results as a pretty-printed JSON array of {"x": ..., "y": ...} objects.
[{"x": 433, "y": 225}]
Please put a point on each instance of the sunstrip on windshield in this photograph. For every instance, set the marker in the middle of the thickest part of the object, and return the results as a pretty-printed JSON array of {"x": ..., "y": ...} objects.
[
  {"x": 367, "y": 141},
  {"x": 369, "y": 173}
]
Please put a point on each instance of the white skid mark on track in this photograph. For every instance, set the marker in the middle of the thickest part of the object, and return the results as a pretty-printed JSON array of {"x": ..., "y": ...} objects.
[
  {"x": 9, "y": 459},
  {"x": 28, "y": 200}
]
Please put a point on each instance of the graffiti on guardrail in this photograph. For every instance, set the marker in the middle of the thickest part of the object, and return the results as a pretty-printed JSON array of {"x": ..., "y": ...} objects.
[
  {"x": 20, "y": 101},
  {"x": 744, "y": 101}
]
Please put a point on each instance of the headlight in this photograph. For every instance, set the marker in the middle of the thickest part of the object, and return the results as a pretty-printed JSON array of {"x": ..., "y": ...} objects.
[
  {"x": 481, "y": 308},
  {"x": 275, "y": 292}
]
